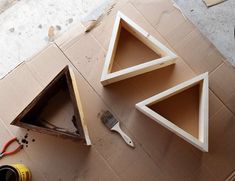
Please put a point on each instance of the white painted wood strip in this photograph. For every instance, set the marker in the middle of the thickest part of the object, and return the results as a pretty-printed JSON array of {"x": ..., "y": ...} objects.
[
  {"x": 168, "y": 57},
  {"x": 79, "y": 104},
  {"x": 202, "y": 142}
]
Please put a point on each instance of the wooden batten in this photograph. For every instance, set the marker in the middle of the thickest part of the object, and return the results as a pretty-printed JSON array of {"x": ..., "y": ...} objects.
[
  {"x": 167, "y": 57},
  {"x": 65, "y": 79},
  {"x": 202, "y": 141}
]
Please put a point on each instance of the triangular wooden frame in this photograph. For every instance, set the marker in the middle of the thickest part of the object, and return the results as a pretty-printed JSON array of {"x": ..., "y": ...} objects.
[
  {"x": 40, "y": 100},
  {"x": 122, "y": 21},
  {"x": 201, "y": 142}
]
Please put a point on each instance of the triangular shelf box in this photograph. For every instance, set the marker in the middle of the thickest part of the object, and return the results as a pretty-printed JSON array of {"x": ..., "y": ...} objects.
[
  {"x": 30, "y": 117},
  {"x": 202, "y": 141},
  {"x": 167, "y": 57}
]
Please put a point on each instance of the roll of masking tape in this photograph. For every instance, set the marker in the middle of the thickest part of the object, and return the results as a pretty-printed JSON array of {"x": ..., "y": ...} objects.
[{"x": 15, "y": 172}]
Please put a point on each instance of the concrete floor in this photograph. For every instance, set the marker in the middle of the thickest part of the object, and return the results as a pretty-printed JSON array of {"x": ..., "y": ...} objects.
[
  {"x": 5, "y": 4},
  {"x": 24, "y": 25},
  {"x": 217, "y": 23}
]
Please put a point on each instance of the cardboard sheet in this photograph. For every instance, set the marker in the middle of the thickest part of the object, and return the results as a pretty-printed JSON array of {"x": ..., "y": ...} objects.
[
  {"x": 48, "y": 153},
  {"x": 159, "y": 154},
  {"x": 170, "y": 152}
]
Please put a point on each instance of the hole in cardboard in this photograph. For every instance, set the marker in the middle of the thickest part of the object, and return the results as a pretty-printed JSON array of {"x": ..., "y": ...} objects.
[
  {"x": 130, "y": 50},
  {"x": 182, "y": 109}
]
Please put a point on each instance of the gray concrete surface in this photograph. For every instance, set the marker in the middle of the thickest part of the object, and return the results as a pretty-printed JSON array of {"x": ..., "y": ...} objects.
[
  {"x": 24, "y": 25},
  {"x": 4, "y": 4},
  {"x": 216, "y": 23}
]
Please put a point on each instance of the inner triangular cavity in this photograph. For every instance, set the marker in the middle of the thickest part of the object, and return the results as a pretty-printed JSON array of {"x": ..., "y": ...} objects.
[
  {"x": 182, "y": 109},
  {"x": 54, "y": 110},
  {"x": 131, "y": 51}
]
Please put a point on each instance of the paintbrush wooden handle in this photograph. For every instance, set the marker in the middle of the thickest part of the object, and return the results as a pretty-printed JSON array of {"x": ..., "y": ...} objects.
[{"x": 126, "y": 138}]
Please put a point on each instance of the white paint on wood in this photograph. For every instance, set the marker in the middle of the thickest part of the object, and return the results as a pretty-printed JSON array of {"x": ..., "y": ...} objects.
[
  {"x": 122, "y": 21},
  {"x": 202, "y": 142}
]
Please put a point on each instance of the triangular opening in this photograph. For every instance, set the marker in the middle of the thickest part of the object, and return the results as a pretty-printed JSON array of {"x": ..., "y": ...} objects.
[
  {"x": 133, "y": 51},
  {"x": 54, "y": 104},
  {"x": 56, "y": 110},
  {"x": 182, "y": 109}
]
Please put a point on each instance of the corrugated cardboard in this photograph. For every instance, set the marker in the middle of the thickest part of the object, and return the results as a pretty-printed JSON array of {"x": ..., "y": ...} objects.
[
  {"x": 223, "y": 85},
  {"x": 159, "y": 154},
  {"x": 154, "y": 10},
  {"x": 170, "y": 152},
  {"x": 187, "y": 41},
  {"x": 121, "y": 97},
  {"x": 20, "y": 157}
]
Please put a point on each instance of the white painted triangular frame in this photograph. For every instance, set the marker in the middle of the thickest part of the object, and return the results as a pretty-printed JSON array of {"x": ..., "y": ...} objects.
[
  {"x": 202, "y": 141},
  {"x": 122, "y": 21}
]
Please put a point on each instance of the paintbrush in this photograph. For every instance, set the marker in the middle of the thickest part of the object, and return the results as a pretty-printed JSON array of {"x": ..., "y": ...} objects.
[{"x": 113, "y": 124}]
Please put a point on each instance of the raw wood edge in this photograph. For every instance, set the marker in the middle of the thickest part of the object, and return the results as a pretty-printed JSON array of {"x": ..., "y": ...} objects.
[
  {"x": 172, "y": 127},
  {"x": 204, "y": 112},
  {"x": 78, "y": 100},
  {"x": 49, "y": 131},
  {"x": 137, "y": 70},
  {"x": 168, "y": 56},
  {"x": 202, "y": 142},
  {"x": 112, "y": 47}
]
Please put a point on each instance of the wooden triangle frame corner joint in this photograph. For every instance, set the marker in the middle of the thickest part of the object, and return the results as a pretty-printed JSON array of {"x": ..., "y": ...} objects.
[
  {"x": 202, "y": 141},
  {"x": 68, "y": 75},
  {"x": 167, "y": 57}
]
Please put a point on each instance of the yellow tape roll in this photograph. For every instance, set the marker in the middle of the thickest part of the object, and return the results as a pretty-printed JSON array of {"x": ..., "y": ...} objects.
[
  {"x": 15, "y": 172},
  {"x": 23, "y": 171}
]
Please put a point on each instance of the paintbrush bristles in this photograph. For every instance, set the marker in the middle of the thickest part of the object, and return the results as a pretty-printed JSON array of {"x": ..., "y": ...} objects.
[{"x": 108, "y": 119}]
